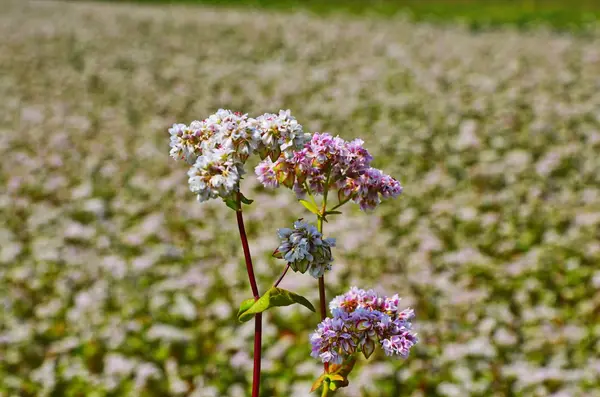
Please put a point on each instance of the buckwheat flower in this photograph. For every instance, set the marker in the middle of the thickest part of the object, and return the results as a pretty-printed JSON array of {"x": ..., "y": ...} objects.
[
  {"x": 215, "y": 174},
  {"x": 222, "y": 130},
  {"x": 399, "y": 344},
  {"x": 355, "y": 157},
  {"x": 332, "y": 342},
  {"x": 266, "y": 174},
  {"x": 184, "y": 143},
  {"x": 278, "y": 133},
  {"x": 328, "y": 163},
  {"x": 304, "y": 248},
  {"x": 230, "y": 130},
  {"x": 361, "y": 321},
  {"x": 372, "y": 185}
]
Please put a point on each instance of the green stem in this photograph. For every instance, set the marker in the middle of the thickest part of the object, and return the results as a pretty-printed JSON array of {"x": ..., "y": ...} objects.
[
  {"x": 325, "y": 391},
  {"x": 326, "y": 192},
  {"x": 338, "y": 205},
  {"x": 312, "y": 198},
  {"x": 322, "y": 298}
]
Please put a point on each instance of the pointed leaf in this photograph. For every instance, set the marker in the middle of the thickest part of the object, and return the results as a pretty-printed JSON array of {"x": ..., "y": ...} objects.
[
  {"x": 245, "y": 199},
  {"x": 263, "y": 152},
  {"x": 333, "y": 212},
  {"x": 245, "y": 305},
  {"x": 232, "y": 204},
  {"x": 272, "y": 298},
  {"x": 318, "y": 383},
  {"x": 338, "y": 374},
  {"x": 288, "y": 181},
  {"x": 310, "y": 206},
  {"x": 344, "y": 368},
  {"x": 275, "y": 153},
  {"x": 336, "y": 377},
  {"x": 368, "y": 347}
]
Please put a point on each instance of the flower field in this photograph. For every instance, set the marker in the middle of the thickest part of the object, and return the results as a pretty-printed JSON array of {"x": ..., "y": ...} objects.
[{"x": 115, "y": 281}]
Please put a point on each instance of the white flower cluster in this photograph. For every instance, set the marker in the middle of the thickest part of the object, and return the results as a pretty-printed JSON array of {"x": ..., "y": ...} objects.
[
  {"x": 215, "y": 174},
  {"x": 218, "y": 147},
  {"x": 279, "y": 133}
]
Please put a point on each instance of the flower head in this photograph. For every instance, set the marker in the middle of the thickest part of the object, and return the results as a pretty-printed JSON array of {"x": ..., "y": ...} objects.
[
  {"x": 185, "y": 143},
  {"x": 215, "y": 174},
  {"x": 361, "y": 319},
  {"x": 231, "y": 130},
  {"x": 328, "y": 163},
  {"x": 278, "y": 133},
  {"x": 217, "y": 147},
  {"x": 223, "y": 130},
  {"x": 304, "y": 248}
]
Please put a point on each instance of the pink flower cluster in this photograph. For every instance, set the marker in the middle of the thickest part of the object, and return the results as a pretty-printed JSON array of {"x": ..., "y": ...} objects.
[
  {"x": 329, "y": 163},
  {"x": 361, "y": 319}
]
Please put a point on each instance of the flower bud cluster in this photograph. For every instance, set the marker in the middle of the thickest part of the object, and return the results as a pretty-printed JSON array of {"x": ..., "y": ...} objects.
[
  {"x": 361, "y": 320},
  {"x": 218, "y": 147},
  {"x": 330, "y": 163},
  {"x": 304, "y": 248}
]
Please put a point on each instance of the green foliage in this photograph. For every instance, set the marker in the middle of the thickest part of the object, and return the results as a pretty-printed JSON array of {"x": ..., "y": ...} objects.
[
  {"x": 274, "y": 297},
  {"x": 309, "y": 205},
  {"x": 476, "y": 13},
  {"x": 336, "y": 377}
]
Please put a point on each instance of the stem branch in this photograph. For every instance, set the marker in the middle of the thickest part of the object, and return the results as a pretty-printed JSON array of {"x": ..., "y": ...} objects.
[{"x": 282, "y": 275}]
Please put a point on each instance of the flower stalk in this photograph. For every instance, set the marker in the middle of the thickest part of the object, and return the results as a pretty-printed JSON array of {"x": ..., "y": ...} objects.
[{"x": 258, "y": 317}]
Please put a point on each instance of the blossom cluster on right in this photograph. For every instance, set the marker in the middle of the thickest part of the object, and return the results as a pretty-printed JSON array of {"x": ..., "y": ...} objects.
[
  {"x": 328, "y": 163},
  {"x": 361, "y": 319}
]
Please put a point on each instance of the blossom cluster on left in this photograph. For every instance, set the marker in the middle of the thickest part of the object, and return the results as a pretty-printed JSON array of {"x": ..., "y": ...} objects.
[{"x": 218, "y": 147}]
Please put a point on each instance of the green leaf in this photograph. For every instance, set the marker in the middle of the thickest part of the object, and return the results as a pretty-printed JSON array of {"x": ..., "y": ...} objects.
[
  {"x": 333, "y": 212},
  {"x": 263, "y": 152},
  {"x": 310, "y": 206},
  {"x": 277, "y": 254},
  {"x": 272, "y": 298},
  {"x": 245, "y": 305},
  {"x": 286, "y": 179},
  {"x": 343, "y": 369},
  {"x": 275, "y": 153},
  {"x": 245, "y": 199},
  {"x": 338, "y": 374},
  {"x": 232, "y": 204},
  {"x": 318, "y": 383}
]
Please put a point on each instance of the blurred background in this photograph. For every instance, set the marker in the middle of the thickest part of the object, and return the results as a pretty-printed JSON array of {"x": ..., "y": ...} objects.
[{"x": 114, "y": 281}]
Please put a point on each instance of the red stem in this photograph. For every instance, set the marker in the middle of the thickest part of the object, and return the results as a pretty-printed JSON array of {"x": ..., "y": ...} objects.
[
  {"x": 258, "y": 317},
  {"x": 322, "y": 297},
  {"x": 282, "y": 275}
]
